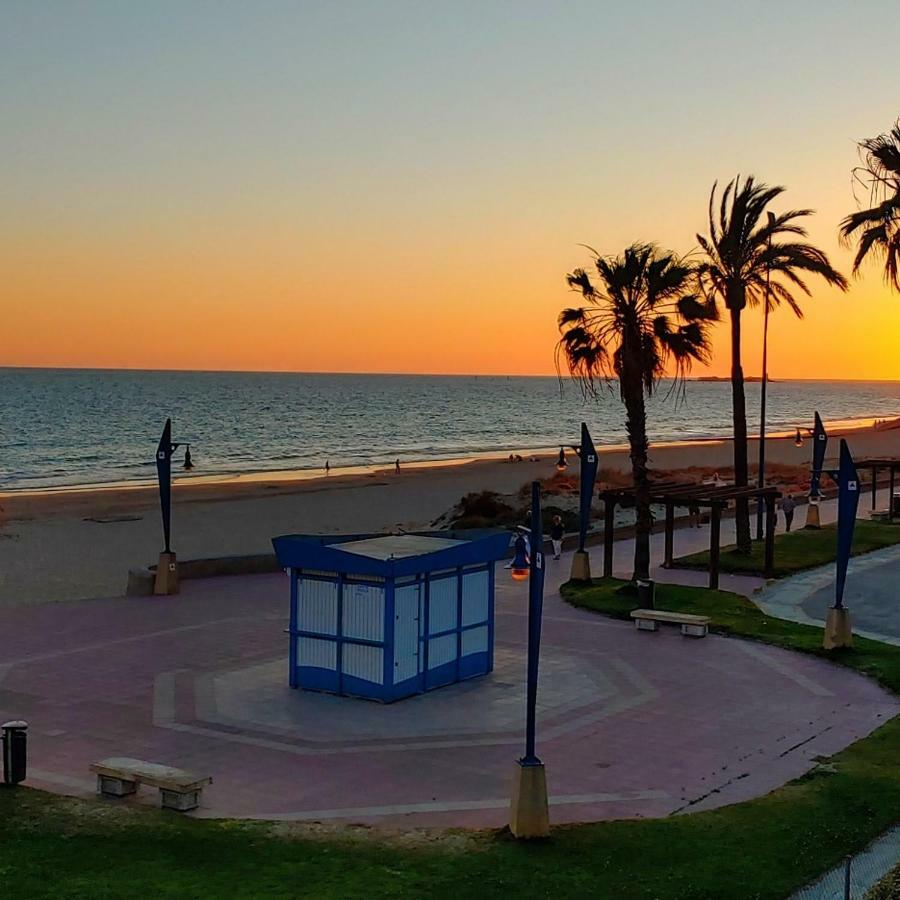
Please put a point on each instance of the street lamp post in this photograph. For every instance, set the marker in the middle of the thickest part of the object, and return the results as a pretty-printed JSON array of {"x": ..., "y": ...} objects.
[
  {"x": 587, "y": 455},
  {"x": 838, "y": 632},
  {"x": 529, "y": 810},
  {"x": 166, "y": 581},
  {"x": 762, "y": 388},
  {"x": 820, "y": 443}
]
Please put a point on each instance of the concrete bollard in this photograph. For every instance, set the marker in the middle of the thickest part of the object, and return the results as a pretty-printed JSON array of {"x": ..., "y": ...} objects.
[
  {"x": 166, "y": 575},
  {"x": 140, "y": 583},
  {"x": 838, "y": 631},
  {"x": 581, "y": 566}
]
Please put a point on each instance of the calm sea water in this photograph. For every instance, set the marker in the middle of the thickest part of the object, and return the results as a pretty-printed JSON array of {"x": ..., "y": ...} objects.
[{"x": 65, "y": 427}]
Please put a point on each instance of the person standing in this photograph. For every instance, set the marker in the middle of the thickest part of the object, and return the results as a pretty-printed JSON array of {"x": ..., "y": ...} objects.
[
  {"x": 693, "y": 514},
  {"x": 556, "y": 535},
  {"x": 397, "y": 467},
  {"x": 787, "y": 507}
]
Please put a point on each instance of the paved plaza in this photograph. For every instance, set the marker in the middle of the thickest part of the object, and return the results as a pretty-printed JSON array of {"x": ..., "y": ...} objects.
[{"x": 630, "y": 724}]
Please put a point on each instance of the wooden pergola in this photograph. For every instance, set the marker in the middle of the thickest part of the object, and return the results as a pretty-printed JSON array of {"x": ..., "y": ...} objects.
[
  {"x": 705, "y": 496},
  {"x": 892, "y": 464}
]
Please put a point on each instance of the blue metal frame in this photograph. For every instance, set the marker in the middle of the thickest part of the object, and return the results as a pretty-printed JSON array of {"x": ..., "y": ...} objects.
[
  {"x": 309, "y": 558},
  {"x": 292, "y": 630}
]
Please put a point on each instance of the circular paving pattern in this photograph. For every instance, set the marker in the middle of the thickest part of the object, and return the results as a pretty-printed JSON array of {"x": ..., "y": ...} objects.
[{"x": 630, "y": 724}]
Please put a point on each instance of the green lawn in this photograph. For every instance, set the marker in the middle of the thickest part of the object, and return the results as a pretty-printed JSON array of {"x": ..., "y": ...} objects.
[
  {"x": 61, "y": 848},
  {"x": 798, "y": 550}
]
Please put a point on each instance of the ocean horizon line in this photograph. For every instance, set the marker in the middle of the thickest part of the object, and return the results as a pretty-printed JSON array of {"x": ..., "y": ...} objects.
[{"x": 565, "y": 378}]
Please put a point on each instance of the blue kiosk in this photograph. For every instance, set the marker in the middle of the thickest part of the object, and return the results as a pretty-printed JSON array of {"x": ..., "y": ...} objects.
[{"x": 386, "y": 616}]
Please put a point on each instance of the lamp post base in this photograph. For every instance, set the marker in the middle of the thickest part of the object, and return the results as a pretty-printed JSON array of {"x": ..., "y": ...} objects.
[
  {"x": 581, "y": 566},
  {"x": 529, "y": 812},
  {"x": 838, "y": 632},
  {"x": 166, "y": 581},
  {"x": 812, "y": 515}
]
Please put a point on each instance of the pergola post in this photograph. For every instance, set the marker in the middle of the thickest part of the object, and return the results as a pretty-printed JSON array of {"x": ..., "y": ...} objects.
[
  {"x": 609, "y": 513},
  {"x": 769, "y": 564},
  {"x": 715, "y": 527},
  {"x": 874, "y": 485},
  {"x": 891, "y": 494},
  {"x": 670, "y": 536}
]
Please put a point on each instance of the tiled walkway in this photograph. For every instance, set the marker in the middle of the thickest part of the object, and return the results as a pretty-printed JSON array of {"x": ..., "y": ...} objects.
[{"x": 630, "y": 724}]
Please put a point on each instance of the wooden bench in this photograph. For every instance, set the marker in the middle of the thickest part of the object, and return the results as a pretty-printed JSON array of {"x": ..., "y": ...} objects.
[
  {"x": 649, "y": 619},
  {"x": 121, "y": 775}
]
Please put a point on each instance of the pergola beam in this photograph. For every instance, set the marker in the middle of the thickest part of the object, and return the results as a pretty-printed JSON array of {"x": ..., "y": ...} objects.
[
  {"x": 892, "y": 464},
  {"x": 715, "y": 498}
]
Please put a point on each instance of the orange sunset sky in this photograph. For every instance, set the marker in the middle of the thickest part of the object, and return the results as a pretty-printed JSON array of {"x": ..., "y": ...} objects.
[{"x": 403, "y": 187}]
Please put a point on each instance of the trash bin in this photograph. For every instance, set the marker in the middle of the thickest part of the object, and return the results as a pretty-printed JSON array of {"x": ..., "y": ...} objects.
[
  {"x": 645, "y": 593},
  {"x": 15, "y": 742}
]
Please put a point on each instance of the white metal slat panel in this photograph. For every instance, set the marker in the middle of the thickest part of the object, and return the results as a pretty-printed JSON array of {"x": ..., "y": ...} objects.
[
  {"x": 363, "y": 661},
  {"x": 442, "y": 600},
  {"x": 314, "y": 652},
  {"x": 441, "y": 650},
  {"x": 406, "y": 632},
  {"x": 474, "y": 640},
  {"x": 475, "y": 598},
  {"x": 363, "y": 612},
  {"x": 317, "y": 606}
]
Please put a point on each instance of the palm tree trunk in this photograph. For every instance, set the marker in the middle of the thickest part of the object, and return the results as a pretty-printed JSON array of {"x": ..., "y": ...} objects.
[
  {"x": 636, "y": 427},
  {"x": 739, "y": 417}
]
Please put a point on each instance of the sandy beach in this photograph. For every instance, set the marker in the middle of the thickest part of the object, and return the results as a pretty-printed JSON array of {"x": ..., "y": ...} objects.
[{"x": 73, "y": 544}]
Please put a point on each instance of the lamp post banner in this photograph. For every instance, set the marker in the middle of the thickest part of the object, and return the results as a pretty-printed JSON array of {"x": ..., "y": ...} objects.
[
  {"x": 848, "y": 501},
  {"x": 820, "y": 443},
  {"x": 589, "y": 462},
  {"x": 164, "y": 473},
  {"x": 535, "y": 611}
]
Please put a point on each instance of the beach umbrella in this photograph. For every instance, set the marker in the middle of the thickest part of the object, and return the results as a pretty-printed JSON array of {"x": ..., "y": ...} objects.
[
  {"x": 848, "y": 501},
  {"x": 589, "y": 462}
]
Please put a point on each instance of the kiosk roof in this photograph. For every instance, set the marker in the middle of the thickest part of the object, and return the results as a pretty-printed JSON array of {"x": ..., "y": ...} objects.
[{"x": 395, "y": 546}]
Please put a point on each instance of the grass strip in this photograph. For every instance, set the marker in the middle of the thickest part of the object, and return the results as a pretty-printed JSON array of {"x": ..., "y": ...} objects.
[{"x": 797, "y": 550}]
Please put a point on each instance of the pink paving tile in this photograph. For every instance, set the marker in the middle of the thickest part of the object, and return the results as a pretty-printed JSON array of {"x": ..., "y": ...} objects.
[{"x": 630, "y": 725}]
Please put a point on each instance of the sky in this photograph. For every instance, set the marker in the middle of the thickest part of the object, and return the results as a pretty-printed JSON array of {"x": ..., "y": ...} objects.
[{"x": 402, "y": 186}]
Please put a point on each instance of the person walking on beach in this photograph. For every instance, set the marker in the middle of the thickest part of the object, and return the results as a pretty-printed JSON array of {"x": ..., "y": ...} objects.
[
  {"x": 397, "y": 467},
  {"x": 787, "y": 507},
  {"x": 556, "y": 536},
  {"x": 327, "y": 467}
]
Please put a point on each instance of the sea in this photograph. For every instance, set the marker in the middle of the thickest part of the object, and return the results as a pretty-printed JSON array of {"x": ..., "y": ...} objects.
[{"x": 65, "y": 427}]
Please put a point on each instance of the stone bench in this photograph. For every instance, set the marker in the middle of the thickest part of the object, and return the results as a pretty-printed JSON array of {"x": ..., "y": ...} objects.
[
  {"x": 121, "y": 775},
  {"x": 649, "y": 619}
]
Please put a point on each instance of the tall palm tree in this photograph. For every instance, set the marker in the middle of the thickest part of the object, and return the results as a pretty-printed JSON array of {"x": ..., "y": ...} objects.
[
  {"x": 877, "y": 229},
  {"x": 742, "y": 246},
  {"x": 638, "y": 319}
]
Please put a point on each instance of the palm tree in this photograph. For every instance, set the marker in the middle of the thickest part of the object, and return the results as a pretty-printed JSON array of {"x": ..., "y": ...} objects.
[
  {"x": 877, "y": 229},
  {"x": 639, "y": 319},
  {"x": 742, "y": 247}
]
